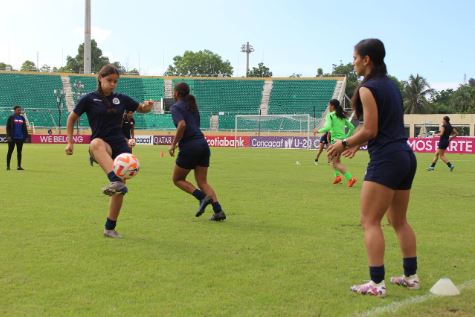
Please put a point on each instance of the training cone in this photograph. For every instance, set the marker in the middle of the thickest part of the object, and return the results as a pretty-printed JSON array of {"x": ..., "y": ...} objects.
[
  {"x": 162, "y": 154},
  {"x": 445, "y": 287}
]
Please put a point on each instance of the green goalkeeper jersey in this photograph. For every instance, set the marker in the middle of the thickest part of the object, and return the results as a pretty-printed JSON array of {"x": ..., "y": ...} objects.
[{"x": 337, "y": 127}]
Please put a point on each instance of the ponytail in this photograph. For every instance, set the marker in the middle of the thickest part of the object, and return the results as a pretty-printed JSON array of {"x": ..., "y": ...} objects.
[
  {"x": 183, "y": 91},
  {"x": 340, "y": 113}
]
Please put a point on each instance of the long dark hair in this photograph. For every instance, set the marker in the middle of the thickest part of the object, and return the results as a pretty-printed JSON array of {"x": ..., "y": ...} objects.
[
  {"x": 447, "y": 121},
  {"x": 105, "y": 71},
  {"x": 183, "y": 91},
  {"x": 340, "y": 113},
  {"x": 373, "y": 48}
]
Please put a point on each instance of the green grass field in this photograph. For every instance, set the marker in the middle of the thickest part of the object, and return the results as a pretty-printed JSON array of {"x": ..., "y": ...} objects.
[{"x": 291, "y": 246}]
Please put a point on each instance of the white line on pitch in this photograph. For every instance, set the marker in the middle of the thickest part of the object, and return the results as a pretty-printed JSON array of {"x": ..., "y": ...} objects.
[{"x": 393, "y": 307}]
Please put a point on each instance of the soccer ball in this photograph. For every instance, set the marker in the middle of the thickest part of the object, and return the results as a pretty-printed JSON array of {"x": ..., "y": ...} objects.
[
  {"x": 132, "y": 142},
  {"x": 126, "y": 165}
]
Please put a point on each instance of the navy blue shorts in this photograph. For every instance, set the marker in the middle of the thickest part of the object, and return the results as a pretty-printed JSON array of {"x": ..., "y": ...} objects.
[
  {"x": 323, "y": 139},
  {"x": 394, "y": 170},
  {"x": 194, "y": 154},
  {"x": 443, "y": 144}
]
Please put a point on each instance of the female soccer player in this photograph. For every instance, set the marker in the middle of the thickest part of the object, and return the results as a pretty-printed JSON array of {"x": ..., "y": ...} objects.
[
  {"x": 324, "y": 141},
  {"x": 104, "y": 109},
  {"x": 391, "y": 169},
  {"x": 445, "y": 133},
  {"x": 336, "y": 123},
  {"x": 194, "y": 152}
]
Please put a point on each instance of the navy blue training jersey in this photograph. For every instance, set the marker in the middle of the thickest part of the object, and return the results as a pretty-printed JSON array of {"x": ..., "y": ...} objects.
[
  {"x": 192, "y": 119},
  {"x": 127, "y": 126},
  {"x": 391, "y": 134},
  {"x": 18, "y": 122},
  {"x": 105, "y": 119},
  {"x": 448, "y": 129}
]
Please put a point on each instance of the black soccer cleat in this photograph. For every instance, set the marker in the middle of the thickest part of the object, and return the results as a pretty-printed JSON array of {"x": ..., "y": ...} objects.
[
  {"x": 203, "y": 203},
  {"x": 218, "y": 216}
]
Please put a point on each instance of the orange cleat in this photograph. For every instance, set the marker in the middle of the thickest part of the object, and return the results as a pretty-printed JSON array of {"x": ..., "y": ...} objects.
[
  {"x": 351, "y": 182},
  {"x": 337, "y": 180}
]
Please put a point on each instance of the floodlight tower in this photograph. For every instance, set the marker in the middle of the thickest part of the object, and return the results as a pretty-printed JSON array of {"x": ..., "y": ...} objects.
[
  {"x": 87, "y": 39},
  {"x": 248, "y": 49}
]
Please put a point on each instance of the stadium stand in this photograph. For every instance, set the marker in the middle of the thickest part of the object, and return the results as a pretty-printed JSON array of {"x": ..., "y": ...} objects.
[
  {"x": 300, "y": 96},
  {"x": 218, "y": 98}
]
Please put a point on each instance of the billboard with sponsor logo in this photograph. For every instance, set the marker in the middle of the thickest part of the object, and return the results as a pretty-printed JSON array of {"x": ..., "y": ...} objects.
[
  {"x": 429, "y": 145},
  {"x": 426, "y": 145},
  {"x": 213, "y": 140},
  {"x": 59, "y": 139},
  {"x": 284, "y": 142},
  {"x": 144, "y": 139}
]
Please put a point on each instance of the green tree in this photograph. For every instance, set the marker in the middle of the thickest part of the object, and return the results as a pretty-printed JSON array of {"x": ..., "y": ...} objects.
[
  {"x": 260, "y": 71},
  {"x": 351, "y": 77},
  {"x": 45, "y": 68},
  {"x": 4, "y": 66},
  {"x": 200, "y": 64},
  {"x": 28, "y": 66},
  {"x": 463, "y": 100},
  {"x": 295, "y": 75},
  {"x": 416, "y": 91},
  {"x": 440, "y": 102},
  {"x": 132, "y": 71},
  {"x": 319, "y": 72},
  {"x": 76, "y": 64}
]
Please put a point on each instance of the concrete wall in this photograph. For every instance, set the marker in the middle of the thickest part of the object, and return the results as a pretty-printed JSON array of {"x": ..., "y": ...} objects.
[{"x": 456, "y": 119}]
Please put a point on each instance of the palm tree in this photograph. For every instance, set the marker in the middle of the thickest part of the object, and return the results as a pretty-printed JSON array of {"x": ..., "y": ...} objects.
[{"x": 415, "y": 93}]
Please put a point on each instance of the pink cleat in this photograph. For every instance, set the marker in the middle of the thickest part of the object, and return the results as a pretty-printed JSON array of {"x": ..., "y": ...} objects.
[{"x": 370, "y": 288}]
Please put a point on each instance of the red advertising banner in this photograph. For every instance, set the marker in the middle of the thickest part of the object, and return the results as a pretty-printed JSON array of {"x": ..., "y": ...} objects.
[
  {"x": 59, "y": 139},
  {"x": 465, "y": 145}
]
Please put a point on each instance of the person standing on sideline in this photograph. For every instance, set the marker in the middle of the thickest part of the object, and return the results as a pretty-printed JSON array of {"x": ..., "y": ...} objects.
[
  {"x": 194, "y": 152},
  {"x": 445, "y": 133},
  {"x": 391, "y": 169},
  {"x": 336, "y": 124},
  {"x": 104, "y": 109},
  {"x": 128, "y": 125},
  {"x": 17, "y": 133}
]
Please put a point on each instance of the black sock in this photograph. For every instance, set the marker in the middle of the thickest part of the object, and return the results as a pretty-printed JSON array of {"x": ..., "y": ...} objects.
[
  {"x": 198, "y": 194},
  {"x": 316, "y": 160},
  {"x": 216, "y": 207},
  {"x": 410, "y": 266},
  {"x": 110, "y": 224},
  {"x": 113, "y": 178},
  {"x": 376, "y": 273},
  {"x": 432, "y": 165},
  {"x": 449, "y": 164}
]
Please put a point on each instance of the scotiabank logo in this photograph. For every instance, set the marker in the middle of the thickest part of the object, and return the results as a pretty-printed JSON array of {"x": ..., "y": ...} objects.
[
  {"x": 144, "y": 139},
  {"x": 226, "y": 141}
]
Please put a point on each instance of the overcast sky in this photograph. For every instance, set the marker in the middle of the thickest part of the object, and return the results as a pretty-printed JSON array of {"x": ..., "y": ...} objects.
[{"x": 432, "y": 38}]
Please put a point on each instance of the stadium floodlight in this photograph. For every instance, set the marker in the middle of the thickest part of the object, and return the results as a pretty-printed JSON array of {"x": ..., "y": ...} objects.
[
  {"x": 59, "y": 94},
  {"x": 87, "y": 38},
  {"x": 77, "y": 93},
  {"x": 248, "y": 49}
]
